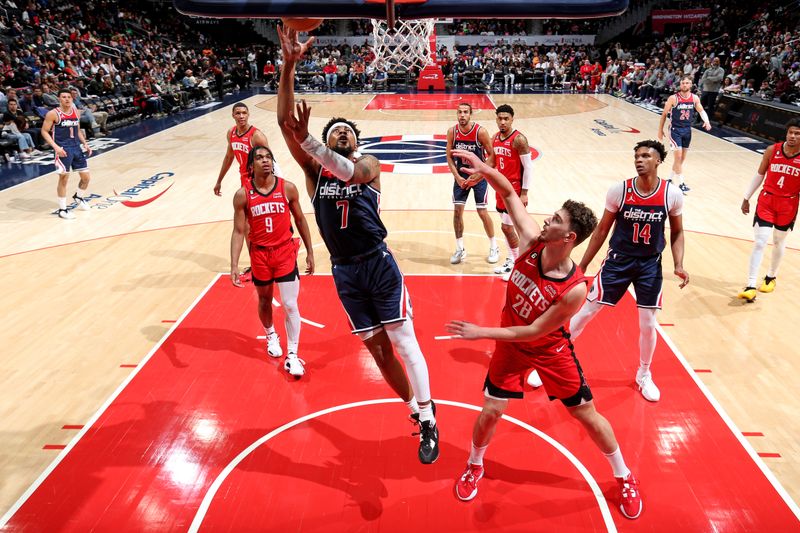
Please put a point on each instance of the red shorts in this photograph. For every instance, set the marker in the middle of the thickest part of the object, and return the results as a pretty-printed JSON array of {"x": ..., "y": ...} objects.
[
  {"x": 499, "y": 203},
  {"x": 777, "y": 211},
  {"x": 558, "y": 367},
  {"x": 245, "y": 180},
  {"x": 273, "y": 262}
]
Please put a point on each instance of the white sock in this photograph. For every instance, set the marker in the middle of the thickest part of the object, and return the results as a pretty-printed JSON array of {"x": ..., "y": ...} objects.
[
  {"x": 779, "y": 241},
  {"x": 413, "y": 406},
  {"x": 426, "y": 413},
  {"x": 83, "y": 193},
  {"x": 492, "y": 242},
  {"x": 514, "y": 253},
  {"x": 62, "y": 202},
  {"x": 617, "y": 463},
  {"x": 476, "y": 454},
  {"x": 680, "y": 178},
  {"x": 759, "y": 243},
  {"x": 460, "y": 243},
  {"x": 289, "y": 291},
  {"x": 270, "y": 330}
]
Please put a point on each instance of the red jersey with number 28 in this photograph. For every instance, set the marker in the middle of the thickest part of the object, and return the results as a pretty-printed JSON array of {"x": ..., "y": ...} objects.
[
  {"x": 530, "y": 293},
  {"x": 783, "y": 173},
  {"x": 269, "y": 215}
]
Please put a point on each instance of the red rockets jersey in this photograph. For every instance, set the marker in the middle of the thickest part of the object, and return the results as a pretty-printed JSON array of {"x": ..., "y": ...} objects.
[
  {"x": 783, "y": 174},
  {"x": 241, "y": 145},
  {"x": 507, "y": 160},
  {"x": 530, "y": 293},
  {"x": 269, "y": 215}
]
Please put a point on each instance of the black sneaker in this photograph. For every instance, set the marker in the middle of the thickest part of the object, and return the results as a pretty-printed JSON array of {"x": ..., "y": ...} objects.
[{"x": 428, "y": 438}]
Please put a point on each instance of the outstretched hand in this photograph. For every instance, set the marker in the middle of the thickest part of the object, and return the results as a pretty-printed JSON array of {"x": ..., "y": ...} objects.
[
  {"x": 464, "y": 330},
  {"x": 291, "y": 47},
  {"x": 298, "y": 125},
  {"x": 472, "y": 162}
]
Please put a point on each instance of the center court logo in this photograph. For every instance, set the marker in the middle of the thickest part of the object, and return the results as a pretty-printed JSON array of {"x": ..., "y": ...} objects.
[
  {"x": 606, "y": 128},
  {"x": 411, "y": 154}
]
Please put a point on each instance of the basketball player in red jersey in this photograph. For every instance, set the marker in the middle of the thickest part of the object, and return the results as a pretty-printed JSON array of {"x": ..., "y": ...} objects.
[
  {"x": 776, "y": 210},
  {"x": 266, "y": 204},
  {"x": 513, "y": 159},
  {"x": 468, "y": 135},
  {"x": 546, "y": 288},
  {"x": 62, "y": 131}
]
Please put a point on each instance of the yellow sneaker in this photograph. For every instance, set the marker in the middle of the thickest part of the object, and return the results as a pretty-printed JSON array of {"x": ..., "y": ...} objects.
[
  {"x": 748, "y": 293},
  {"x": 767, "y": 286}
]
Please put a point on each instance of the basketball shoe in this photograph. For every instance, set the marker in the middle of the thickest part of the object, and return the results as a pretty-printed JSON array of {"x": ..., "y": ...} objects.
[
  {"x": 684, "y": 188},
  {"x": 66, "y": 215},
  {"x": 459, "y": 255},
  {"x": 274, "y": 345},
  {"x": 83, "y": 205},
  {"x": 428, "y": 437},
  {"x": 505, "y": 269},
  {"x": 768, "y": 285},
  {"x": 648, "y": 389},
  {"x": 294, "y": 365},
  {"x": 749, "y": 293},
  {"x": 494, "y": 255},
  {"x": 467, "y": 484},
  {"x": 630, "y": 502}
]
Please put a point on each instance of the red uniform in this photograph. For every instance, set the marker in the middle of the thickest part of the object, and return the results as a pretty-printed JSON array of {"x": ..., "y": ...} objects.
[
  {"x": 241, "y": 145},
  {"x": 273, "y": 251},
  {"x": 508, "y": 162},
  {"x": 529, "y": 294},
  {"x": 778, "y": 201}
]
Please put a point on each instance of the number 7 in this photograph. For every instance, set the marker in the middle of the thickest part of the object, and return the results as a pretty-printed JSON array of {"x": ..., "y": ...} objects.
[{"x": 345, "y": 205}]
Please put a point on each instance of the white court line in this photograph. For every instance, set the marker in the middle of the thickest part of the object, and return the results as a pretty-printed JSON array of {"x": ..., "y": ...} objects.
[
  {"x": 446, "y": 337},
  {"x": 22, "y": 499},
  {"x": 728, "y": 420},
  {"x": 230, "y": 467}
]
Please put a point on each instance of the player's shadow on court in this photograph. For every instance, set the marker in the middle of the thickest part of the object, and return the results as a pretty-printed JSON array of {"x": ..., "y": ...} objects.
[
  {"x": 470, "y": 356},
  {"x": 185, "y": 342},
  {"x": 191, "y": 280},
  {"x": 209, "y": 262},
  {"x": 31, "y": 205}
]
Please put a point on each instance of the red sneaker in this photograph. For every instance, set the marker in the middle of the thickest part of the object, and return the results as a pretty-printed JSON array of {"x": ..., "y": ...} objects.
[
  {"x": 630, "y": 500},
  {"x": 467, "y": 484}
]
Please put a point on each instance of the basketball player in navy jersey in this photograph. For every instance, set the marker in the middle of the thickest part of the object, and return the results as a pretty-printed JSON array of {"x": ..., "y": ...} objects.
[
  {"x": 265, "y": 209},
  {"x": 345, "y": 193},
  {"x": 545, "y": 289},
  {"x": 638, "y": 209},
  {"x": 470, "y": 136},
  {"x": 62, "y": 131},
  {"x": 680, "y": 108}
]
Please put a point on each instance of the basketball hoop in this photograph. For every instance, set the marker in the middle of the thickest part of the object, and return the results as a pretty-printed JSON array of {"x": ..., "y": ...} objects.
[{"x": 406, "y": 43}]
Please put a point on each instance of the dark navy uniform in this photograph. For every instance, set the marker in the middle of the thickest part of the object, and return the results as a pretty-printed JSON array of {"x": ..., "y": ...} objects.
[
  {"x": 469, "y": 142},
  {"x": 680, "y": 121},
  {"x": 634, "y": 251},
  {"x": 65, "y": 134},
  {"x": 367, "y": 277}
]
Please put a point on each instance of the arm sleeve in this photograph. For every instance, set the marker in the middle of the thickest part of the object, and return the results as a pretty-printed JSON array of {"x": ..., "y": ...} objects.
[
  {"x": 614, "y": 197},
  {"x": 338, "y": 165},
  {"x": 527, "y": 173},
  {"x": 754, "y": 184}
]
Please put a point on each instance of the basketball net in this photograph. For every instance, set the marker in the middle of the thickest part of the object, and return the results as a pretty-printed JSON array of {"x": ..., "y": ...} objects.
[{"x": 407, "y": 45}]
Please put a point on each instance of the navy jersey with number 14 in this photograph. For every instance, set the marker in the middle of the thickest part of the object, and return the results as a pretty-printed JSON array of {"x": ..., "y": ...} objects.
[{"x": 641, "y": 220}]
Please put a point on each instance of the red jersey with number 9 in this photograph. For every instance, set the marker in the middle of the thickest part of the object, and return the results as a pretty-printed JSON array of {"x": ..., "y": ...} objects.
[
  {"x": 530, "y": 293},
  {"x": 269, "y": 215},
  {"x": 783, "y": 173}
]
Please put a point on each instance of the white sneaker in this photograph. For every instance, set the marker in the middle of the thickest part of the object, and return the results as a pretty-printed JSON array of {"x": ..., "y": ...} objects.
[
  {"x": 66, "y": 215},
  {"x": 647, "y": 387},
  {"x": 274, "y": 345},
  {"x": 534, "y": 380},
  {"x": 459, "y": 255},
  {"x": 294, "y": 366},
  {"x": 505, "y": 268},
  {"x": 494, "y": 255},
  {"x": 83, "y": 205}
]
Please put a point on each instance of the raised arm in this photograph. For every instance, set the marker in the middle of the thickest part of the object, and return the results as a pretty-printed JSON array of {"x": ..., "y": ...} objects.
[
  {"x": 293, "y": 197},
  {"x": 527, "y": 228},
  {"x": 292, "y": 51}
]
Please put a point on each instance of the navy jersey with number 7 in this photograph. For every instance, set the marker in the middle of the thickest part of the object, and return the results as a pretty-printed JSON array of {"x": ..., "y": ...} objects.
[
  {"x": 641, "y": 221},
  {"x": 348, "y": 216}
]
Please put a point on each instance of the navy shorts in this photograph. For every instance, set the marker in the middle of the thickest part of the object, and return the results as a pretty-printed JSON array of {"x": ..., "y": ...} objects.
[
  {"x": 372, "y": 290},
  {"x": 619, "y": 271},
  {"x": 680, "y": 137},
  {"x": 481, "y": 190},
  {"x": 75, "y": 160}
]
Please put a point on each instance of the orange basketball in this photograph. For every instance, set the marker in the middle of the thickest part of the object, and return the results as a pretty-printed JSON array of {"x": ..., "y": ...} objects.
[{"x": 302, "y": 24}]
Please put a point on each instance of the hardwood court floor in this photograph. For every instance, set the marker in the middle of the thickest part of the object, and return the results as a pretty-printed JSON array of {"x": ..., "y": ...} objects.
[{"x": 84, "y": 297}]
